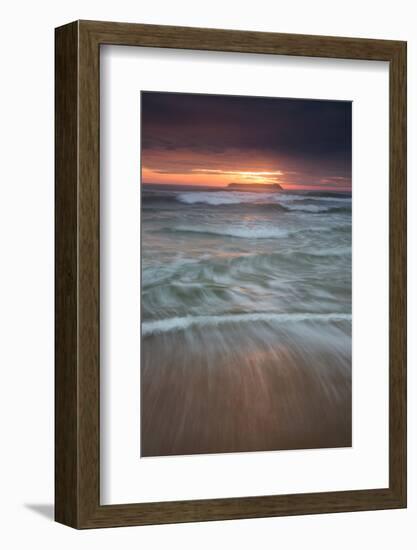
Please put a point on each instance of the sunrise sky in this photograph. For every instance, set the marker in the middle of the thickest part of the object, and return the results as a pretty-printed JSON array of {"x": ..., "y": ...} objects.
[{"x": 214, "y": 140}]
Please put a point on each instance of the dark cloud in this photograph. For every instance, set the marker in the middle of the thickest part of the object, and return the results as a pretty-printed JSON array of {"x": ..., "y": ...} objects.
[{"x": 316, "y": 134}]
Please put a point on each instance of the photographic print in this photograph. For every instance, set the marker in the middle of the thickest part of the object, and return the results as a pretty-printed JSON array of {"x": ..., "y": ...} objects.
[{"x": 246, "y": 217}]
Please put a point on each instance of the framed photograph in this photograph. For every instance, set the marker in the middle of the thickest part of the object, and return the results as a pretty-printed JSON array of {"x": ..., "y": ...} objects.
[{"x": 230, "y": 274}]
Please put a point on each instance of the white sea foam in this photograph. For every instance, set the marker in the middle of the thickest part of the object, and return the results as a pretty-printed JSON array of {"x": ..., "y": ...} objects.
[
  {"x": 291, "y": 198},
  {"x": 218, "y": 198},
  {"x": 307, "y": 208},
  {"x": 183, "y": 323},
  {"x": 238, "y": 232}
]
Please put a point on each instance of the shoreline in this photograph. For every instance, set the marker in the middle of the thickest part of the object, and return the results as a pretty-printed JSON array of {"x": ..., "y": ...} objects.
[{"x": 202, "y": 393}]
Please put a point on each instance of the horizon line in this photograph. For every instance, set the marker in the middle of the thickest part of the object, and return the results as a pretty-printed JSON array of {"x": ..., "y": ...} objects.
[{"x": 283, "y": 187}]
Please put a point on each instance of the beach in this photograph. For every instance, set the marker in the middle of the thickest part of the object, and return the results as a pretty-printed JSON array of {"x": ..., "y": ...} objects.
[{"x": 246, "y": 320}]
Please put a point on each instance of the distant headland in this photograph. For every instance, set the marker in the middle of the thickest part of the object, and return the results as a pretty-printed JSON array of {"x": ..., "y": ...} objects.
[{"x": 253, "y": 187}]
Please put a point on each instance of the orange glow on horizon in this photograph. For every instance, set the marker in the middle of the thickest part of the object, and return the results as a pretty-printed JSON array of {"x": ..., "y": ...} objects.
[
  {"x": 221, "y": 178},
  {"x": 214, "y": 177},
  {"x": 245, "y": 176}
]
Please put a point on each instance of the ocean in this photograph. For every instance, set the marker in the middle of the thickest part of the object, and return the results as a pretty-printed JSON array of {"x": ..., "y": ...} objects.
[{"x": 245, "y": 321}]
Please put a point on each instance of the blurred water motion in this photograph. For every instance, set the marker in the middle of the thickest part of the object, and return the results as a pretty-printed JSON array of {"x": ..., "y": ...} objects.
[{"x": 246, "y": 321}]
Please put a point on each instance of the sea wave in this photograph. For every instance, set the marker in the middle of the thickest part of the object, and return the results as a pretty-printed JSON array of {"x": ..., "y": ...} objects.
[
  {"x": 279, "y": 202},
  {"x": 254, "y": 232},
  {"x": 182, "y": 323},
  {"x": 220, "y": 198},
  {"x": 314, "y": 209},
  {"x": 215, "y": 199},
  {"x": 237, "y": 232},
  {"x": 329, "y": 194}
]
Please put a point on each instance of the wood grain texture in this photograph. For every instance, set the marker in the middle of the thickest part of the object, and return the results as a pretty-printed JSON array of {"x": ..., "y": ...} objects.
[
  {"x": 398, "y": 274},
  {"x": 66, "y": 237},
  {"x": 78, "y": 286}
]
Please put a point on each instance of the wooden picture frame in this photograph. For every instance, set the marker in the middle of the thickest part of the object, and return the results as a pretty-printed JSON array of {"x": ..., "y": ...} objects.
[{"x": 77, "y": 405}]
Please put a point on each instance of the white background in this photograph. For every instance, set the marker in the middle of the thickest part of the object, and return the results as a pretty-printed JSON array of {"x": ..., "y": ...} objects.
[
  {"x": 125, "y": 478},
  {"x": 26, "y": 290}
]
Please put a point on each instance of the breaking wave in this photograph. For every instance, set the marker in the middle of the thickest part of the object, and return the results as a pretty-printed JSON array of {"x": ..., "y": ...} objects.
[
  {"x": 274, "y": 202},
  {"x": 233, "y": 231},
  {"x": 183, "y": 323}
]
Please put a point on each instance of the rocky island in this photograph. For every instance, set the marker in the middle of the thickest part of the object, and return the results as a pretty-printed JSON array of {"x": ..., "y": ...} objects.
[{"x": 253, "y": 187}]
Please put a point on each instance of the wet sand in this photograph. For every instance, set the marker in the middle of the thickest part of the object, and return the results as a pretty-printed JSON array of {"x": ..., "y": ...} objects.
[{"x": 246, "y": 388}]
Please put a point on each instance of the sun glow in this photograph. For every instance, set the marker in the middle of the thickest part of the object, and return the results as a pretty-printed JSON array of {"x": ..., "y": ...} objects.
[
  {"x": 240, "y": 176},
  {"x": 211, "y": 176}
]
